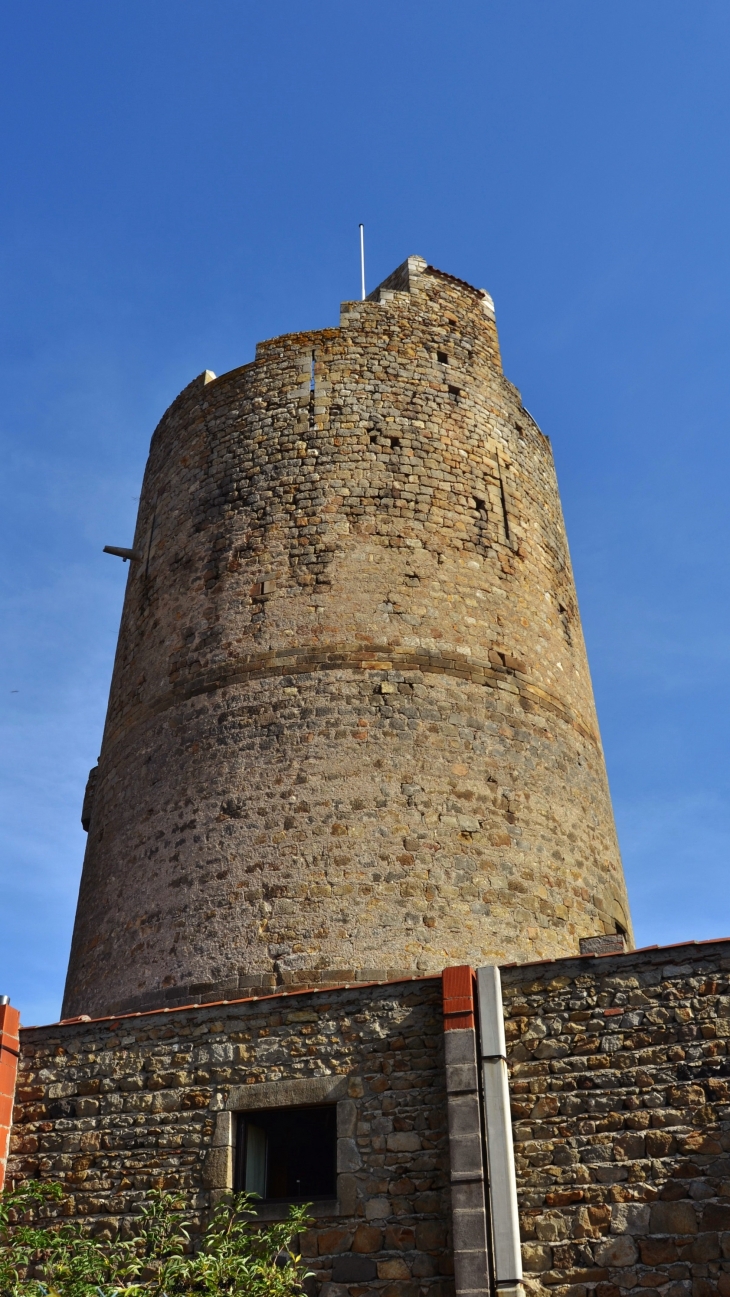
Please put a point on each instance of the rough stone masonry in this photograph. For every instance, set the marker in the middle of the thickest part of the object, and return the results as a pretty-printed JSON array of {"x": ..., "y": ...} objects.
[
  {"x": 351, "y": 755},
  {"x": 620, "y": 1087},
  {"x": 351, "y": 731}
]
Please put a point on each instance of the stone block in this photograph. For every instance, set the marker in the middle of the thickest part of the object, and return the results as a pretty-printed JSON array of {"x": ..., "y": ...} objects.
[
  {"x": 461, "y": 1076},
  {"x": 716, "y": 1216},
  {"x": 673, "y": 1218},
  {"x": 630, "y": 1218},
  {"x": 350, "y": 1268},
  {"x": 460, "y": 1048},
  {"x": 620, "y": 1250},
  {"x": 348, "y": 1155},
  {"x": 403, "y": 1141},
  {"x": 367, "y": 1238},
  {"x": 347, "y": 1194},
  {"x": 469, "y": 1231},
  {"x": 537, "y": 1257},
  {"x": 346, "y": 1117},
  {"x": 466, "y": 1154},
  {"x": 706, "y": 1247},
  {"x": 217, "y": 1172},
  {"x": 330, "y": 1241},
  {"x": 605, "y": 944},
  {"x": 464, "y": 1116},
  {"x": 394, "y": 1268},
  {"x": 470, "y": 1269},
  {"x": 377, "y": 1208}
]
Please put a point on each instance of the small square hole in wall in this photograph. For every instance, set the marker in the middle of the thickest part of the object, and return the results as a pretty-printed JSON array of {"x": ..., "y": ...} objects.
[
  {"x": 288, "y": 1154},
  {"x": 454, "y": 392},
  {"x": 442, "y": 358}
]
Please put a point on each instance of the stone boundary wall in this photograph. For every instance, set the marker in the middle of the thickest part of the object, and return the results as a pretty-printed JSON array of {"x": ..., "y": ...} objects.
[
  {"x": 115, "y": 1106},
  {"x": 620, "y": 1083}
]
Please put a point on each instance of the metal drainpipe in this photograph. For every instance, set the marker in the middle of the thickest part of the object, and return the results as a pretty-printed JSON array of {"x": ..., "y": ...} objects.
[{"x": 500, "y": 1151}]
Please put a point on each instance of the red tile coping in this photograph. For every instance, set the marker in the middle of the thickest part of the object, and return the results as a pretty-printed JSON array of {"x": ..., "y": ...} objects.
[
  {"x": 624, "y": 954},
  {"x": 244, "y": 999},
  {"x": 350, "y": 986},
  {"x": 459, "y": 998},
  {"x": 9, "y": 1051}
]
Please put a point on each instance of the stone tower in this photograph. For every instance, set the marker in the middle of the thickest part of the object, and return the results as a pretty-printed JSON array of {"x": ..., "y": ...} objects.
[{"x": 351, "y": 730}]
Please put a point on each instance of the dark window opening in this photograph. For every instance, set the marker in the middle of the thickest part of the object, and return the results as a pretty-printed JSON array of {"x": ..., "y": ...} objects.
[
  {"x": 454, "y": 392},
  {"x": 394, "y": 443},
  {"x": 374, "y": 437},
  {"x": 480, "y": 506},
  {"x": 442, "y": 358},
  {"x": 288, "y": 1154}
]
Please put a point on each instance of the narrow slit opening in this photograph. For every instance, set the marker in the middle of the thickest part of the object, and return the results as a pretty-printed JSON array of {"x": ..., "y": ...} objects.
[{"x": 504, "y": 509}]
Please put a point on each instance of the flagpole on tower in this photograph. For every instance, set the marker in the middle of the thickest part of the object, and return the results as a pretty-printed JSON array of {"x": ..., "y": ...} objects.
[{"x": 362, "y": 259}]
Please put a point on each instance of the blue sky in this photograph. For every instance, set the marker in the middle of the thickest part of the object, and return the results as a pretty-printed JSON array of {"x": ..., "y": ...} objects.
[{"x": 180, "y": 179}]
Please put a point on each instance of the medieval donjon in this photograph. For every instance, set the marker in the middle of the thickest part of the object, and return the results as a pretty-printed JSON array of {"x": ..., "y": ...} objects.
[
  {"x": 351, "y": 793},
  {"x": 351, "y": 731}
]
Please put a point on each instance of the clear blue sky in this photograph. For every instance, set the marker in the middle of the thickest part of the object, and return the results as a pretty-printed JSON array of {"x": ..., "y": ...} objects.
[{"x": 182, "y": 178}]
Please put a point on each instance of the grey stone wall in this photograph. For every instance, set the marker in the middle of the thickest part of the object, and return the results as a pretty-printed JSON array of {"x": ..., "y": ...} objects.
[
  {"x": 621, "y": 1103},
  {"x": 620, "y": 1085},
  {"x": 113, "y": 1107}
]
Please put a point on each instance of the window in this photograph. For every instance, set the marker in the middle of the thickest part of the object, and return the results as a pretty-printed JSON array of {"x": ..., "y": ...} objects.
[
  {"x": 442, "y": 358},
  {"x": 288, "y": 1154}
]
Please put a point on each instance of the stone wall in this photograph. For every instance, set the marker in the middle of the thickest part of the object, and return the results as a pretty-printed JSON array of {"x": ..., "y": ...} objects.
[
  {"x": 113, "y": 1107},
  {"x": 620, "y": 1083},
  {"x": 621, "y": 1091},
  {"x": 351, "y": 726}
]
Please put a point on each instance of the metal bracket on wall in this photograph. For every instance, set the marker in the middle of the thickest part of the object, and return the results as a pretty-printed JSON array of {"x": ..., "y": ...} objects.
[{"x": 124, "y": 554}]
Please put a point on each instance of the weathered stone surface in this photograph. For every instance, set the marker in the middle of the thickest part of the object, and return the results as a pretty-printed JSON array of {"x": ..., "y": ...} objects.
[
  {"x": 618, "y": 1251},
  {"x": 622, "y": 1156},
  {"x": 351, "y": 727},
  {"x": 162, "y": 1085},
  {"x": 623, "y": 1153}
]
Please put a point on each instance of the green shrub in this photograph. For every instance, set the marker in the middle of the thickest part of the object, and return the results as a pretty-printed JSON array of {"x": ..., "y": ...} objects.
[{"x": 235, "y": 1254}]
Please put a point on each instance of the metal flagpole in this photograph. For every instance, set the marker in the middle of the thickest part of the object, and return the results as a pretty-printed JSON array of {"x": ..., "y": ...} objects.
[{"x": 362, "y": 259}]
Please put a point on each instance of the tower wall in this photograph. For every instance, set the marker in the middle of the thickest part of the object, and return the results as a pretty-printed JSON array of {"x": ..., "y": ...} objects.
[{"x": 351, "y": 729}]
